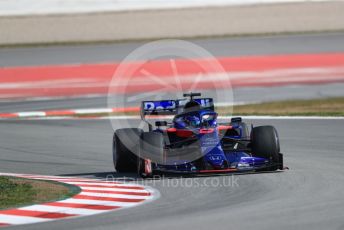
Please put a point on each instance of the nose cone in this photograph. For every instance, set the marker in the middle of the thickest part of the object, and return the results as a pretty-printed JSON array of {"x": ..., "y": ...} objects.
[
  {"x": 216, "y": 162},
  {"x": 212, "y": 150},
  {"x": 216, "y": 158}
]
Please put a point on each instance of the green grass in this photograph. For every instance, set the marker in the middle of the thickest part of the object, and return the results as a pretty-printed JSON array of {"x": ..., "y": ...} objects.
[
  {"x": 314, "y": 107},
  {"x": 15, "y": 192}
]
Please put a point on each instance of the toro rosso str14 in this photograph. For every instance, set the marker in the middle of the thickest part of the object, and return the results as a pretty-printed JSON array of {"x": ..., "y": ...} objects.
[{"x": 194, "y": 142}]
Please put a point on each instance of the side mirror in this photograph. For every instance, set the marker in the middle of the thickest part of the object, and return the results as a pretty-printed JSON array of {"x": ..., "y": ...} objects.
[{"x": 236, "y": 120}]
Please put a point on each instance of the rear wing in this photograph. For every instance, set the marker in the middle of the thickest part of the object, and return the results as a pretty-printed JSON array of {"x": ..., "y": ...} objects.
[
  {"x": 172, "y": 107},
  {"x": 206, "y": 104},
  {"x": 166, "y": 107}
]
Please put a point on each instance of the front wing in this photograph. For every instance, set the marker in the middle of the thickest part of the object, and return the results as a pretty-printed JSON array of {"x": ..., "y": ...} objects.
[{"x": 263, "y": 168}]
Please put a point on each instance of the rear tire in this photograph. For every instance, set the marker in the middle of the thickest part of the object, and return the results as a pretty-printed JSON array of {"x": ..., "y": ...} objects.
[
  {"x": 125, "y": 149},
  {"x": 265, "y": 143}
]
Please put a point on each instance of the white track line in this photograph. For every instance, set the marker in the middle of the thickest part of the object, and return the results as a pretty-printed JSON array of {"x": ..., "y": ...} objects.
[
  {"x": 113, "y": 189},
  {"x": 113, "y": 195},
  {"x": 99, "y": 202},
  {"x": 110, "y": 184},
  {"x": 73, "y": 211}
]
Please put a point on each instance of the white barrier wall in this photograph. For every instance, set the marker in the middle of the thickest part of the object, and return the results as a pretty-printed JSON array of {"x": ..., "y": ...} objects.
[
  {"x": 172, "y": 23},
  {"x": 30, "y": 7}
]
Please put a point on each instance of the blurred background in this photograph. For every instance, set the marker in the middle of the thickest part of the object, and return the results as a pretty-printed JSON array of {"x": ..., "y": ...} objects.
[
  {"x": 62, "y": 54},
  {"x": 65, "y": 65}
]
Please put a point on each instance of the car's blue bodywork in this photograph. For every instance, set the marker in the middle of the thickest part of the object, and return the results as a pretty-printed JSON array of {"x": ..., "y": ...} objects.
[{"x": 202, "y": 125}]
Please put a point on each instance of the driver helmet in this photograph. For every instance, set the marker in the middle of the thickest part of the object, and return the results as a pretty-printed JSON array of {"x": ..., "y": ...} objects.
[{"x": 192, "y": 121}]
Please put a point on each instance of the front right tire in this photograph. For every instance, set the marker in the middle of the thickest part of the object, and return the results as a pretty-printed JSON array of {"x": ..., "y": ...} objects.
[{"x": 265, "y": 144}]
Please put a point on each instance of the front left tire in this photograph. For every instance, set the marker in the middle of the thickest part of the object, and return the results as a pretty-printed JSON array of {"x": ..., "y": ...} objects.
[
  {"x": 151, "y": 152},
  {"x": 125, "y": 149}
]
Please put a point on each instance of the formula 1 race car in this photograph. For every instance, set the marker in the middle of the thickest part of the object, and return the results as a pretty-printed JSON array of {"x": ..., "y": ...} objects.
[{"x": 194, "y": 142}]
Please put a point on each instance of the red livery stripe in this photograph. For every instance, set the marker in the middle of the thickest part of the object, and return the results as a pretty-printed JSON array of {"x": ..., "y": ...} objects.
[
  {"x": 184, "y": 133},
  {"x": 224, "y": 127},
  {"x": 206, "y": 131}
]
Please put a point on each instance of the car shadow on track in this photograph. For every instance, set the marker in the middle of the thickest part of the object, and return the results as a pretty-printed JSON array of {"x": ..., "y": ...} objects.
[{"x": 132, "y": 177}]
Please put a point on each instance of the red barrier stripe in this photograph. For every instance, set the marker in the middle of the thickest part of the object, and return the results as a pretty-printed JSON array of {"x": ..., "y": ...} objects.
[
  {"x": 4, "y": 225},
  {"x": 107, "y": 198},
  {"x": 112, "y": 186},
  {"x": 76, "y": 80},
  {"x": 30, "y": 213},
  {"x": 9, "y": 115},
  {"x": 127, "y": 109},
  {"x": 104, "y": 72},
  {"x": 87, "y": 206},
  {"x": 118, "y": 192}
]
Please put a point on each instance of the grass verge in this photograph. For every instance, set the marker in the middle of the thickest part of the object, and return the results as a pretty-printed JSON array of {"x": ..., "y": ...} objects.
[
  {"x": 314, "y": 107},
  {"x": 16, "y": 192}
]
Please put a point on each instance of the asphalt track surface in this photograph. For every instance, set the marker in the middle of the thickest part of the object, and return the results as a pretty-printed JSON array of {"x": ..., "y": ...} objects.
[
  {"x": 264, "y": 45},
  {"x": 308, "y": 196}
]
